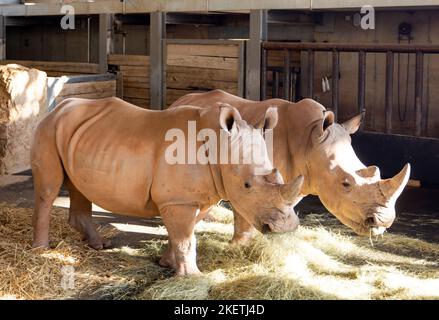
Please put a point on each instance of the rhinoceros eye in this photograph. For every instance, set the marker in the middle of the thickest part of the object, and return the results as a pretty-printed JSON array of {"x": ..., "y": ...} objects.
[
  {"x": 346, "y": 184},
  {"x": 247, "y": 185}
]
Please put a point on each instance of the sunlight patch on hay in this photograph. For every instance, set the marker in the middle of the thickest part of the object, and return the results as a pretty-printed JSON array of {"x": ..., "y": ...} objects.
[{"x": 315, "y": 262}]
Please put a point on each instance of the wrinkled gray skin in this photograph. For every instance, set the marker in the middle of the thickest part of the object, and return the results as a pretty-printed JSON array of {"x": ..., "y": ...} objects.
[{"x": 308, "y": 142}]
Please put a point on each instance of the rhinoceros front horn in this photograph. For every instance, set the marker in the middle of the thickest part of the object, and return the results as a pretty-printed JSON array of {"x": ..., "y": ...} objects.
[
  {"x": 392, "y": 188},
  {"x": 290, "y": 191}
]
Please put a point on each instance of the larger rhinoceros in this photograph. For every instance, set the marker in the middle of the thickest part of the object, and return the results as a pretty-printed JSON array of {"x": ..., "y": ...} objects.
[
  {"x": 114, "y": 154},
  {"x": 308, "y": 142}
]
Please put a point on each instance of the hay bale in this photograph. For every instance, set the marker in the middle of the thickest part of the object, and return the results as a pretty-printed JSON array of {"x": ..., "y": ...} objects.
[{"x": 23, "y": 102}]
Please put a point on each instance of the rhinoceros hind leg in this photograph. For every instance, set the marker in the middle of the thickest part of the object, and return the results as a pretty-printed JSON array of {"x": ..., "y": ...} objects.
[
  {"x": 80, "y": 218},
  {"x": 48, "y": 176},
  {"x": 168, "y": 258},
  {"x": 243, "y": 230},
  {"x": 180, "y": 222}
]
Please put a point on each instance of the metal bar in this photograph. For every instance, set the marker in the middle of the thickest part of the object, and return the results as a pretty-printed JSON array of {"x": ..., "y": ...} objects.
[
  {"x": 310, "y": 73},
  {"x": 258, "y": 33},
  {"x": 352, "y": 47},
  {"x": 264, "y": 63},
  {"x": 88, "y": 40},
  {"x": 202, "y": 41},
  {"x": 294, "y": 86},
  {"x": 287, "y": 75},
  {"x": 275, "y": 85},
  {"x": 103, "y": 41},
  {"x": 419, "y": 77},
  {"x": 157, "y": 32},
  {"x": 335, "y": 82},
  {"x": 389, "y": 91},
  {"x": 361, "y": 81},
  {"x": 241, "y": 71}
]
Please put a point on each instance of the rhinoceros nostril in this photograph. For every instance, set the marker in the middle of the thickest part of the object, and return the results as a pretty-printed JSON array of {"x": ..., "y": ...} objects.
[
  {"x": 265, "y": 228},
  {"x": 370, "y": 221}
]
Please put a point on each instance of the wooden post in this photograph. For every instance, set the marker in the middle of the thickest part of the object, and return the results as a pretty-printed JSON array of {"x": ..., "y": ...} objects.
[
  {"x": 2, "y": 38},
  {"x": 258, "y": 33},
  {"x": 104, "y": 41},
  {"x": 157, "y": 32}
]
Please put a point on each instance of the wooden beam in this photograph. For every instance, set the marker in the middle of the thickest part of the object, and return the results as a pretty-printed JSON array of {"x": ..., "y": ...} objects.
[
  {"x": 2, "y": 38},
  {"x": 157, "y": 32},
  {"x": 258, "y": 33}
]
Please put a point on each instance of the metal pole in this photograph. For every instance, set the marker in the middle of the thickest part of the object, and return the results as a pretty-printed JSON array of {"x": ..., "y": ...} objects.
[
  {"x": 287, "y": 75},
  {"x": 88, "y": 40},
  {"x": 264, "y": 73},
  {"x": 419, "y": 77},
  {"x": 335, "y": 81},
  {"x": 361, "y": 81},
  {"x": 103, "y": 41},
  {"x": 310, "y": 73},
  {"x": 157, "y": 32},
  {"x": 389, "y": 91},
  {"x": 258, "y": 33}
]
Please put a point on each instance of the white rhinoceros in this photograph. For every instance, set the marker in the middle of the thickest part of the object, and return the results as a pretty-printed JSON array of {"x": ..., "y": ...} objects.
[
  {"x": 112, "y": 153},
  {"x": 308, "y": 142}
]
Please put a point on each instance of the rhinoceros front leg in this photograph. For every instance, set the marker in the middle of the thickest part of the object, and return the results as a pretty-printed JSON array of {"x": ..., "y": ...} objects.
[
  {"x": 243, "y": 230},
  {"x": 80, "y": 218},
  {"x": 181, "y": 254}
]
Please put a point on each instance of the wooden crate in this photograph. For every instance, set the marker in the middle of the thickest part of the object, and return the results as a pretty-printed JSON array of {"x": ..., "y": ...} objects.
[
  {"x": 199, "y": 66},
  {"x": 135, "y": 77}
]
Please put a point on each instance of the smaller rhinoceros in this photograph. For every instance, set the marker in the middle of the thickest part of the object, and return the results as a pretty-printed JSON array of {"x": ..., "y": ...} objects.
[{"x": 114, "y": 154}]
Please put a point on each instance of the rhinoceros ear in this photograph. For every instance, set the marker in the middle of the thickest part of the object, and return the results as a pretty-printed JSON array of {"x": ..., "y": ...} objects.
[
  {"x": 270, "y": 119},
  {"x": 328, "y": 119},
  {"x": 354, "y": 124},
  {"x": 228, "y": 117}
]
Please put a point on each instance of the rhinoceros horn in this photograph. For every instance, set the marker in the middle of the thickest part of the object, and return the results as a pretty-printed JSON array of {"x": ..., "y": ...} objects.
[
  {"x": 290, "y": 191},
  {"x": 392, "y": 188}
]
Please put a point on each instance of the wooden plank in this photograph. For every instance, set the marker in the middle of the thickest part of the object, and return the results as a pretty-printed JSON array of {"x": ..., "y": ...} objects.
[
  {"x": 135, "y": 93},
  {"x": 277, "y": 59},
  {"x": 143, "y": 103},
  {"x": 181, "y": 81},
  {"x": 73, "y": 89},
  {"x": 136, "y": 84},
  {"x": 221, "y": 63},
  {"x": 73, "y": 67},
  {"x": 127, "y": 77},
  {"x": 209, "y": 50},
  {"x": 128, "y": 60},
  {"x": 135, "y": 71},
  {"x": 100, "y": 95},
  {"x": 202, "y": 73}
]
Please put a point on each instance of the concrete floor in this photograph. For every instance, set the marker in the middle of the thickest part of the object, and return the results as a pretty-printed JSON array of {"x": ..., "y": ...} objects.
[{"x": 417, "y": 211}]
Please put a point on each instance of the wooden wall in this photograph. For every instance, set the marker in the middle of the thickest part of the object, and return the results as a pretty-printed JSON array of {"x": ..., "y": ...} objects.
[
  {"x": 56, "y": 69},
  {"x": 198, "y": 67},
  {"x": 134, "y": 82},
  {"x": 87, "y": 90}
]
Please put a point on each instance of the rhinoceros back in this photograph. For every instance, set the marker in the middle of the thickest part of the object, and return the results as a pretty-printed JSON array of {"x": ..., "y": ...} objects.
[{"x": 104, "y": 153}]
